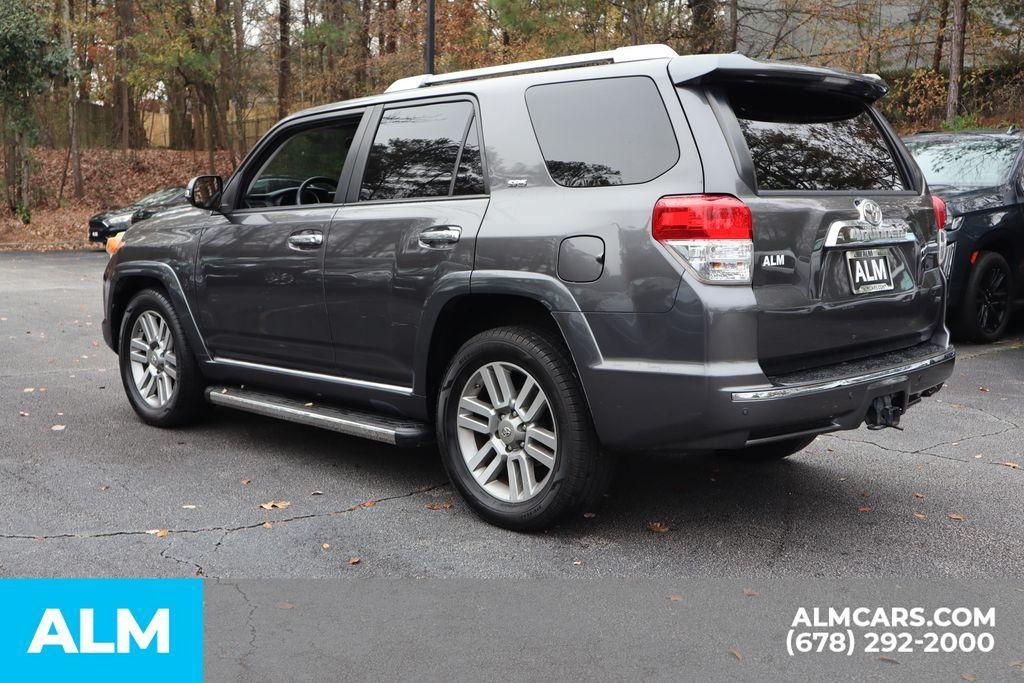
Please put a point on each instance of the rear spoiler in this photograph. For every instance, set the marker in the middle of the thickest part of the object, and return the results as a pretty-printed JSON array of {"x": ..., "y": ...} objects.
[{"x": 734, "y": 68}]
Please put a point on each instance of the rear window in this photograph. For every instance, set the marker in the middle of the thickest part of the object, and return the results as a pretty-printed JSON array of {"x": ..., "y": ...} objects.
[
  {"x": 611, "y": 131},
  {"x": 800, "y": 141},
  {"x": 965, "y": 161}
]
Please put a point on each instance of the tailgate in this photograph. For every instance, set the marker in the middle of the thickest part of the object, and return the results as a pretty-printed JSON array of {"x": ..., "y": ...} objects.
[{"x": 840, "y": 219}]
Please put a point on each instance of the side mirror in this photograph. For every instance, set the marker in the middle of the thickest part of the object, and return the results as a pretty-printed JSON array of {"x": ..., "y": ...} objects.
[{"x": 204, "y": 191}]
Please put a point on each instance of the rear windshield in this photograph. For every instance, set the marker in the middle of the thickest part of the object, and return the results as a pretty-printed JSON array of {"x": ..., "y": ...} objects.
[
  {"x": 814, "y": 142},
  {"x": 967, "y": 161}
]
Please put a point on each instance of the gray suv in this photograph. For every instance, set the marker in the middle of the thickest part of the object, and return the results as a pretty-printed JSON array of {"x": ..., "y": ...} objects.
[{"x": 538, "y": 265}]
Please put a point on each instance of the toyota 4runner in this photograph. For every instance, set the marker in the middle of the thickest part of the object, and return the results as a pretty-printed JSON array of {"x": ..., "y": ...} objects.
[{"x": 538, "y": 265}]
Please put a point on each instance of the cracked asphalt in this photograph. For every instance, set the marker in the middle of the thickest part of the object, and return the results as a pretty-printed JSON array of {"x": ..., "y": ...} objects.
[{"x": 86, "y": 500}]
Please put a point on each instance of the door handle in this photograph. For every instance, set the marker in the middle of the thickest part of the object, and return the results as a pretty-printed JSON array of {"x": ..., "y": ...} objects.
[
  {"x": 439, "y": 236},
  {"x": 306, "y": 239}
]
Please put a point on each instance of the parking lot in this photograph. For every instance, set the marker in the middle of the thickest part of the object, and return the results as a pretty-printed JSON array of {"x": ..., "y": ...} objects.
[{"x": 87, "y": 489}]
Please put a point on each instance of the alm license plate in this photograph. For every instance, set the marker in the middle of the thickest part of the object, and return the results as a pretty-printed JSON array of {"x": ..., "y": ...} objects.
[{"x": 869, "y": 270}]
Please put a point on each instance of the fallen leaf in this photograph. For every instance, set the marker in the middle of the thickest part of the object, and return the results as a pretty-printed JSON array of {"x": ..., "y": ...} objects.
[
  {"x": 737, "y": 655},
  {"x": 842, "y": 478},
  {"x": 188, "y": 506},
  {"x": 577, "y": 562},
  {"x": 353, "y": 561},
  {"x": 1019, "y": 664},
  {"x": 308, "y": 405},
  {"x": 57, "y": 428},
  {"x": 152, "y": 532},
  {"x": 433, "y": 506},
  {"x": 658, "y": 527},
  {"x": 675, "y": 598},
  {"x": 246, "y": 482},
  {"x": 887, "y": 660},
  {"x": 23, "y": 413},
  {"x": 589, "y": 515},
  {"x": 369, "y": 503},
  {"x": 285, "y": 605},
  {"x": 276, "y": 505},
  {"x": 1011, "y": 465},
  {"x": 224, "y": 390},
  {"x": 983, "y": 389},
  {"x": 919, "y": 515},
  {"x": 918, "y": 495},
  {"x": 28, "y": 390},
  {"x": 830, "y": 450},
  {"x": 978, "y": 456},
  {"x": 865, "y": 494},
  {"x": 326, "y": 546},
  {"x": 161, "y": 533},
  {"x": 750, "y": 592},
  {"x": 316, "y": 493},
  {"x": 104, "y": 487},
  {"x": 955, "y": 516},
  {"x": 268, "y": 525},
  {"x": 968, "y": 677},
  {"x": 863, "y": 508}
]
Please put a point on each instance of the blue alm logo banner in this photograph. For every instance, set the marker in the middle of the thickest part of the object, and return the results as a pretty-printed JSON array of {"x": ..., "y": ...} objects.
[{"x": 101, "y": 629}]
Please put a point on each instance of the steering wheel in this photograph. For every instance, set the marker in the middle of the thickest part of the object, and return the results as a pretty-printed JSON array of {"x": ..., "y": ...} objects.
[{"x": 305, "y": 185}]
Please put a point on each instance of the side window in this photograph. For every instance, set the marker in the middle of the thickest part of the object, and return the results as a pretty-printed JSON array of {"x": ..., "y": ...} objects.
[
  {"x": 416, "y": 150},
  {"x": 610, "y": 131},
  {"x": 314, "y": 156}
]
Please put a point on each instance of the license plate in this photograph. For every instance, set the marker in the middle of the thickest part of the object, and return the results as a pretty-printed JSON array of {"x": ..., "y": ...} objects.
[{"x": 869, "y": 270}]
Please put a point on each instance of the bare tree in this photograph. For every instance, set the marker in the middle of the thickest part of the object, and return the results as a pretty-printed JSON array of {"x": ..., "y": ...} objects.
[
  {"x": 238, "y": 13},
  {"x": 956, "y": 58},
  {"x": 284, "y": 67},
  {"x": 74, "y": 155},
  {"x": 940, "y": 35}
]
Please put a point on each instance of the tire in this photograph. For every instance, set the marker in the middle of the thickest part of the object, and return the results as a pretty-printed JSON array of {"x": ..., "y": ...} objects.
[
  {"x": 776, "y": 450},
  {"x": 554, "y": 444},
  {"x": 987, "y": 294},
  {"x": 183, "y": 403}
]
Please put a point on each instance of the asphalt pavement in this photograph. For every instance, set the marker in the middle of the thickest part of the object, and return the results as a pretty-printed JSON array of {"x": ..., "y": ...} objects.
[{"x": 88, "y": 490}]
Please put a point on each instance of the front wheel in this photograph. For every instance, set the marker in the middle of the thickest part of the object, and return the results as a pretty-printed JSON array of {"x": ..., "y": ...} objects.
[
  {"x": 158, "y": 371},
  {"x": 985, "y": 310},
  {"x": 515, "y": 431}
]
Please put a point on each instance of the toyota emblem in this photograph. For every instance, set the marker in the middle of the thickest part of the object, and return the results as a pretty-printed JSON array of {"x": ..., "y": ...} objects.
[{"x": 870, "y": 212}]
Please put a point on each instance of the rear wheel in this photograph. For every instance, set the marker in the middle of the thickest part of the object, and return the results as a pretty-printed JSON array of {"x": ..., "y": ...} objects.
[
  {"x": 515, "y": 431},
  {"x": 158, "y": 371},
  {"x": 985, "y": 311},
  {"x": 776, "y": 450}
]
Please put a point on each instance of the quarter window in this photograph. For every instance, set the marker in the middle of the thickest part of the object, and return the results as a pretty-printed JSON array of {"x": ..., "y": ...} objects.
[
  {"x": 611, "y": 131},
  {"x": 424, "y": 151}
]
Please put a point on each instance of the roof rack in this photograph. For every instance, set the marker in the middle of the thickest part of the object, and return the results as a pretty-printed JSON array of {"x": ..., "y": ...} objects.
[{"x": 633, "y": 53}]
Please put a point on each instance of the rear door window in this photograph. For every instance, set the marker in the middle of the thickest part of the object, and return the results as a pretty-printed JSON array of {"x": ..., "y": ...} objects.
[
  {"x": 427, "y": 150},
  {"x": 814, "y": 142},
  {"x": 610, "y": 131}
]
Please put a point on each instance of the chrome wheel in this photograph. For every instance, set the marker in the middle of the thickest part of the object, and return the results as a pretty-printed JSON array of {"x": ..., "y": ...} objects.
[
  {"x": 506, "y": 432},
  {"x": 153, "y": 363}
]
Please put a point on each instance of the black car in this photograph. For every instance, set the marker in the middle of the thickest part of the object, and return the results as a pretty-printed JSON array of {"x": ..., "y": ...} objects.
[
  {"x": 980, "y": 175},
  {"x": 107, "y": 224}
]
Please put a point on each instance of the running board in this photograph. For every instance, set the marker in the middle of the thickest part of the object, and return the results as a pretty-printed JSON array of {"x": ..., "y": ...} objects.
[{"x": 396, "y": 431}]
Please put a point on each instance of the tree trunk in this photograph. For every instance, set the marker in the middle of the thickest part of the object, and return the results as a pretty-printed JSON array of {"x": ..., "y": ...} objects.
[
  {"x": 940, "y": 35},
  {"x": 734, "y": 25},
  {"x": 73, "y": 151},
  {"x": 238, "y": 8},
  {"x": 956, "y": 58},
  {"x": 284, "y": 67},
  {"x": 129, "y": 130},
  {"x": 705, "y": 29}
]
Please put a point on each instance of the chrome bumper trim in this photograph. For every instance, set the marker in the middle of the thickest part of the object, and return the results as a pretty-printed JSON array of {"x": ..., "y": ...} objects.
[{"x": 805, "y": 389}]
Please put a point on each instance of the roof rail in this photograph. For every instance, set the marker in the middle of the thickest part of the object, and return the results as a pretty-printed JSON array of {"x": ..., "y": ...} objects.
[{"x": 633, "y": 53}]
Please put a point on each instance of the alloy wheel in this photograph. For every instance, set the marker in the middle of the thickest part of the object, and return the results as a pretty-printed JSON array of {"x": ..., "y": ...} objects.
[
  {"x": 506, "y": 432},
  {"x": 992, "y": 299},
  {"x": 153, "y": 363}
]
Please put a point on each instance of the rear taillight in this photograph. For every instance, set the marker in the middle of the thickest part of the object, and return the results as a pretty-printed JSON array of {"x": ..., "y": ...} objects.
[
  {"x": 940, "y": 212},
  {"x": 710, "y": 233}
]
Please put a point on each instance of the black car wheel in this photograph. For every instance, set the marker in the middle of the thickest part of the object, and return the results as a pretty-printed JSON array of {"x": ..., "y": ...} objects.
[
  {"x": 515, "y": 431},
  {"x": 985, "y": 311},
  {"x": 159, "y": 373},
  {"x": 775, "y": 450}
]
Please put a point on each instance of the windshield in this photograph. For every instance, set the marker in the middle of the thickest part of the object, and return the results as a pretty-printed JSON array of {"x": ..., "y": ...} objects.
[
  {"x": 975, "y": 161},
  {"x": 159, "y": 197}
]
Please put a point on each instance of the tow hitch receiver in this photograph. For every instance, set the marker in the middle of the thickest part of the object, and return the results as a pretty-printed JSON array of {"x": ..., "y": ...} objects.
[{"x": 885, "y": 411}]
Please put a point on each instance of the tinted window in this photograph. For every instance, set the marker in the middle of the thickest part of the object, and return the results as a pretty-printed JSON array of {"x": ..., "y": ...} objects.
[
  {"x": 612, "y": 131},
  {"x": 966, "y": 161},
  {"x": 813, "y": 142},
  {"x": 312, "y": 153},
  {"x": 415, "y": 151},
  {"x": 470, "y": 177}
]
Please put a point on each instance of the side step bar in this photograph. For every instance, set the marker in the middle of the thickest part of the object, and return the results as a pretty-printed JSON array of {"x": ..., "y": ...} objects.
[{"x": 396, "y": 431}]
